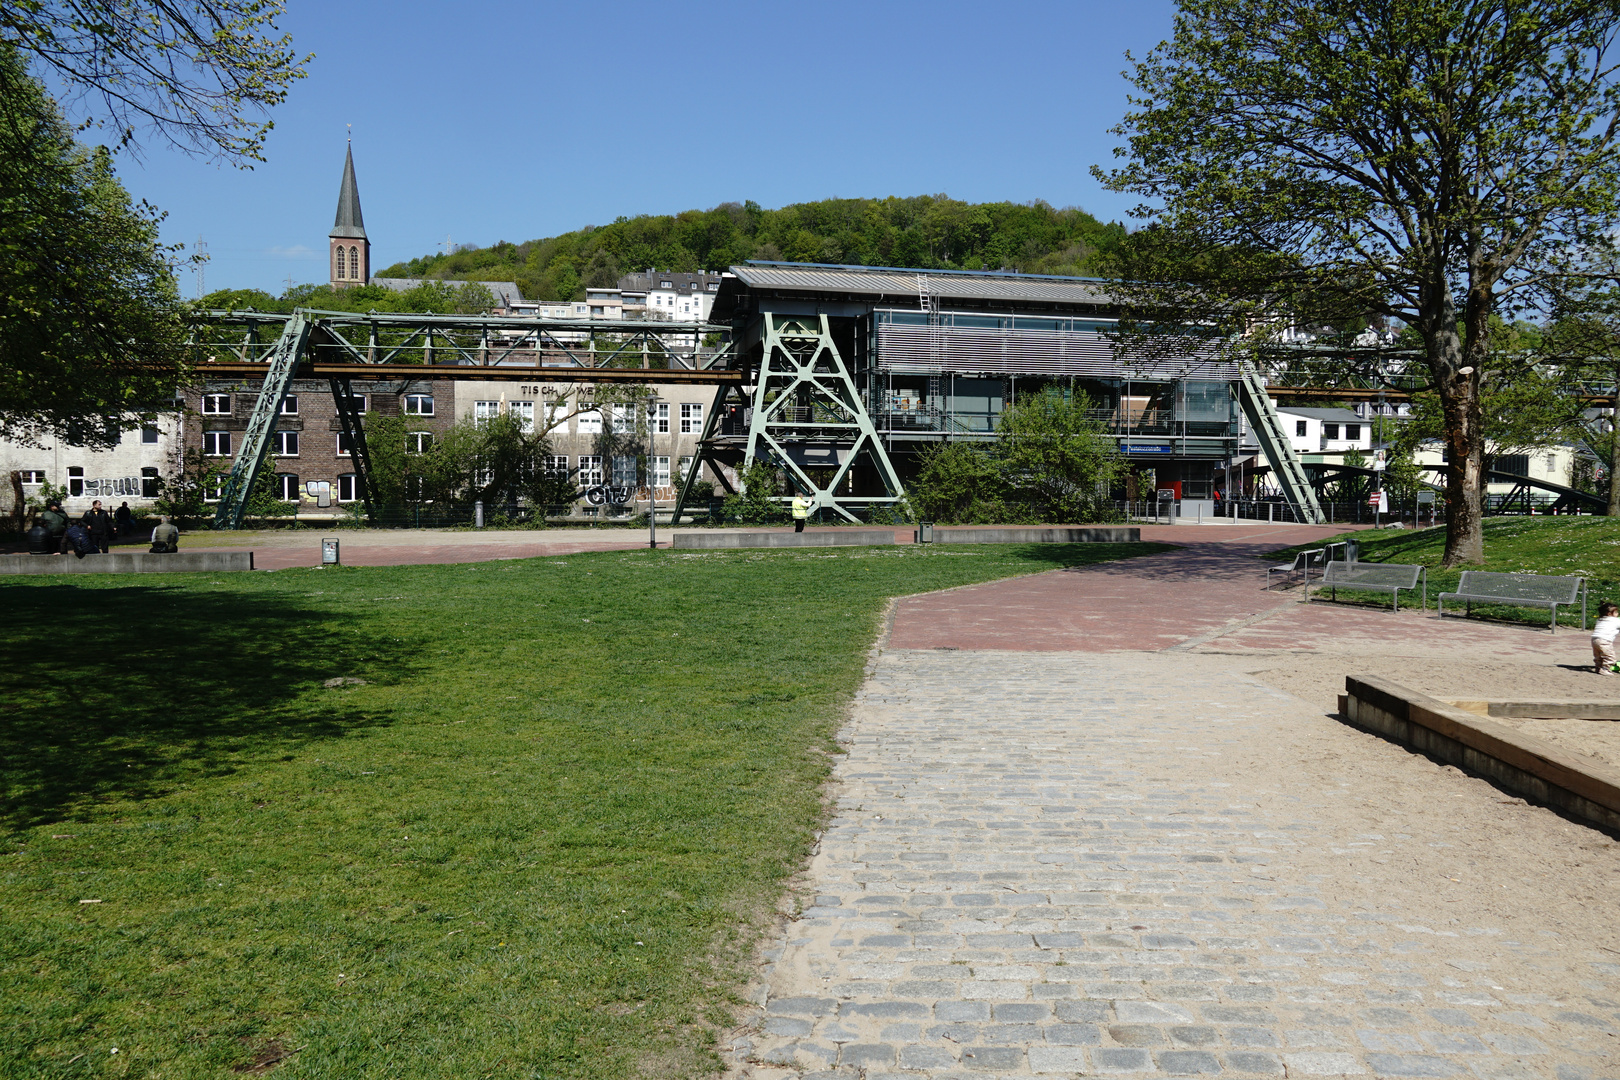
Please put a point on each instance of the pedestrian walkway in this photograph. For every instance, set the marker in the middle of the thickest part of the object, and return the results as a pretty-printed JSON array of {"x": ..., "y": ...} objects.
[{"x": 1123, "y": 854}]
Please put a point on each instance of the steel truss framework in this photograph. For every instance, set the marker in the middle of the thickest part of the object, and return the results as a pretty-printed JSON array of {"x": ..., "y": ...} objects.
[
  {"x": 804, "y": 416},
  {"x": 324, "y": 344}
]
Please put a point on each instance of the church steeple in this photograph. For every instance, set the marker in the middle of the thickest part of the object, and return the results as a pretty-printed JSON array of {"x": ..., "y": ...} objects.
[{"x": 350, "y": 250}]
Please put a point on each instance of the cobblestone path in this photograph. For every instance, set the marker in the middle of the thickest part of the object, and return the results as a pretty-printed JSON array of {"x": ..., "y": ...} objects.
[{"x": 1066, "y": 864}]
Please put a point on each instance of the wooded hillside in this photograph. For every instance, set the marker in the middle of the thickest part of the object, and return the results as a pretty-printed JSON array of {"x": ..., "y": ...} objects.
[{"x": 931, "y": 231}]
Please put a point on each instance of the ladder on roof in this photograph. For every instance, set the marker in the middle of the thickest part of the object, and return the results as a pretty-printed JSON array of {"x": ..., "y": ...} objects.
[
  {"x": 1276, "y": 445},
  {"x": 928, "y": 301}
]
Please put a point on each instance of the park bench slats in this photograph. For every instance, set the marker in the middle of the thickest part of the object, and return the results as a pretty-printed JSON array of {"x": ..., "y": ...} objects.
[
  {"x": 1378, "y": 577},
  {"x": 1524, "y": 590}
]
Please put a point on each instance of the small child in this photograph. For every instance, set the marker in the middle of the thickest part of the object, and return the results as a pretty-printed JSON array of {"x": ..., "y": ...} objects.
[{"x": 1603, "y": 635}]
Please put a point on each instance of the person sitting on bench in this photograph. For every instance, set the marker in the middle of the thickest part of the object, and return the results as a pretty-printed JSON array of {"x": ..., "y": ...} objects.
[{"x": 165, "y": 538}]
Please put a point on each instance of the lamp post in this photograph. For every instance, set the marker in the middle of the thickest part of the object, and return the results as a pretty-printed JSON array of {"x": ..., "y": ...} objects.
[{"x": 652, "y": 476}]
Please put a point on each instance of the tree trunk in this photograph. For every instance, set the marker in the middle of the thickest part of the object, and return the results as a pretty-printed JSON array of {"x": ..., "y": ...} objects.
[
  {"x": 1464, "y": 438},
  {"x": 1614, "y": 455}
]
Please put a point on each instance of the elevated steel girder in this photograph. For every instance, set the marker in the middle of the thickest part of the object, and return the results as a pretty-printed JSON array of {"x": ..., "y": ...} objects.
[
  {"x": 1276, "y": 445},
  {"x": 584, "y": 343},
  {"x": 283, "y": 362}
]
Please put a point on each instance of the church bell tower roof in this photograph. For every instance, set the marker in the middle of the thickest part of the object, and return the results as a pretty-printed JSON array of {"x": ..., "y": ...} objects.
[{"x": 350, "y": 223}]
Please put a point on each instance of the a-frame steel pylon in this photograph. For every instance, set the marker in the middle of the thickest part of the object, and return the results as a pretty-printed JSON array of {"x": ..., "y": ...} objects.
[{"x": 805, "y": 416}]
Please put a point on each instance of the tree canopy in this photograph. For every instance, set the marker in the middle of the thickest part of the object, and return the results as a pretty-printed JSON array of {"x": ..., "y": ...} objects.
[
  {"x": 442, "y": 297},
  {"x": 930, "y": 231},
  {"x": 89, "y": 315},
  {"x": 1428, "y": 161},
  {"x": 198, "y": 74}
]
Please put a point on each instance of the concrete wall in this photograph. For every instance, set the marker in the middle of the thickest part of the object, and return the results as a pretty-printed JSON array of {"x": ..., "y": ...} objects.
[
  {"x": 1097, "y": 534},
  {"x": 1513, "y": 761},
  {"x": 184, "y": 562},
  {"x": 819, "y": 538}
]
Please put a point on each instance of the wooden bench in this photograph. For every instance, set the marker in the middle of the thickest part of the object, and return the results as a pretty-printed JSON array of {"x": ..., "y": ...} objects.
[
  {"x": 1304, "y": 563},
  {"x": 1378, "y": 577},
  {"x": 1519, "y": 590}
]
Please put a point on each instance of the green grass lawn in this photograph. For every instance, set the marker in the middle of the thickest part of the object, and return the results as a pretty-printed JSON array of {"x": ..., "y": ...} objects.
[
  {"x": 538, "y": 841},
  {"x": 1562, "y": 546}
]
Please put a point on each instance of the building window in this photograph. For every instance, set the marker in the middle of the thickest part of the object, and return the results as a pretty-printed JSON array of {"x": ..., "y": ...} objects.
[
  {"x": 344, "y": 447},
  {"x": 418, "y": 442},
  {"x": 666, "y": 285},
  {"x": 346, "y": 488},
  {"x": 1330, "y": 431},
  {"x": 691, "y": 419},
  {"x": 658, "y": 417},
  {"x": 149, "y": 483},
  {"x": 1352, "y": 432},
  {"x": 33, "y": 477},
  {"x": 661, "y": 472},
  {"x": 215, "y": 491},
  {"x": 524, "y": 412},
  {"x": 287, "y": 487},
  {"x": 285, "y": 444},
  {"x": 485, "y": 411},
  {"x": 217, "y": 443},
  {"x": 75, "y": 481},
  {"x": 289, "y": 405},
  {"x": 359, "y": 402},
  {"x": 354, "y": 263},
  {"x": 683, "y": 468},
  {"x": 624, "y": 470},
  {"x": 556, "y": 465},
  {"x": 590, "y": 419},
  {"x": 149, "y": 434},
  {"x": 590, "y": 470},
  {"x": 418, "y": 404},
  {"x": 1512, "y": 464},
  {"x": 216, "y": 404},
  {"x": 714, "y": 286},
  {"x": 622, "y": 420},
  {"x": 1299, "y": 429},
  {"x": 596, "y": 309},
  {"x": 1552, "y": 463}
]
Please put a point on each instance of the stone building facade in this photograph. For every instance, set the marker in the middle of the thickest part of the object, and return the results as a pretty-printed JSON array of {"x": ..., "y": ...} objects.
[{"x": 308, "y": 444}]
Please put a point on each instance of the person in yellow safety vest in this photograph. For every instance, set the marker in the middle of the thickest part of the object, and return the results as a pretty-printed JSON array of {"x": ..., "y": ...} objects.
[{"x": 801, "y": 510}]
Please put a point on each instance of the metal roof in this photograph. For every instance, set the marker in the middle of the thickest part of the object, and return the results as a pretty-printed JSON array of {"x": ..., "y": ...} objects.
[
  {"x": 945, "y": 284},
  {"x": 1336, "y": 416},
  {"x": 505, "y": 292},
  {"x": 349, "y": 223}
]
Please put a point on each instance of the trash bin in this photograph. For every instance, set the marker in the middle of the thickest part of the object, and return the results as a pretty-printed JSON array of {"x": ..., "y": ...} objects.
[
  {"x": 39, "y": 540},
  {"x": 925, "y": 532}
]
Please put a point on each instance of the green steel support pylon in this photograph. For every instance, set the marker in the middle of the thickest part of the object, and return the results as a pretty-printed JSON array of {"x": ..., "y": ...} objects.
[
  {"x": 1276, "y": 445},
  {"x": 284, "y": 358},
  {"x": 807, "y": 414}
]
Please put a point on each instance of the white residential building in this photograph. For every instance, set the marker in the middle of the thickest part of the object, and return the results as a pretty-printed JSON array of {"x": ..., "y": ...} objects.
[
  {"x": 1318, "y": 432},
  {"x": 127, "y": 472}
]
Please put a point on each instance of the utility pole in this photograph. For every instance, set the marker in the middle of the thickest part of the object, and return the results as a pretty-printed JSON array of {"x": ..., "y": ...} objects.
[
  {"x": 199, "y": 259},
  {"x": 652, "y": 475}
]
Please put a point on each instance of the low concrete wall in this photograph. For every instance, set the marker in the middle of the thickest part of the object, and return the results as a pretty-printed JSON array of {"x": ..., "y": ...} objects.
[
  {"x": 1091, "y": 534},
  {"x": 1516, "y": 762},
  {"x": 182, "y": 562},
  {"x": 817, "y": 538}
]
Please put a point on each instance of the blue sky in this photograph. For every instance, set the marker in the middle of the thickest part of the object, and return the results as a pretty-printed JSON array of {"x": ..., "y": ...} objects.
[{"x": 482, "y": 121}]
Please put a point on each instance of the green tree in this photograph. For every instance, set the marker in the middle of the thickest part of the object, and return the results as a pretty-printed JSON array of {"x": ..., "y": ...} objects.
[
  {"x": 1583, "y": 342},
  {"x": 196, "y": 73},
  {"x": 958, "y": 483},
  {"x": 90, "y": 320},
  {"x": 1432, "y": 162},
  {"x": 1056, "y": 459}
]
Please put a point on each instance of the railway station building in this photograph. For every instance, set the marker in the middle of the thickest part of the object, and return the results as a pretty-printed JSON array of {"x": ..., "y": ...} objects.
[{"x": 937, "y": 355}]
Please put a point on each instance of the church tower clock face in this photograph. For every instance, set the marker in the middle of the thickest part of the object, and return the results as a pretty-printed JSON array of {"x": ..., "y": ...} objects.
[{"x": 349, "y": 255}]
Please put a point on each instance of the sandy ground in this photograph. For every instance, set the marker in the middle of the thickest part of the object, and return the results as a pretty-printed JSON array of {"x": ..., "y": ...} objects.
[{"x": 1319, "y": 679}]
